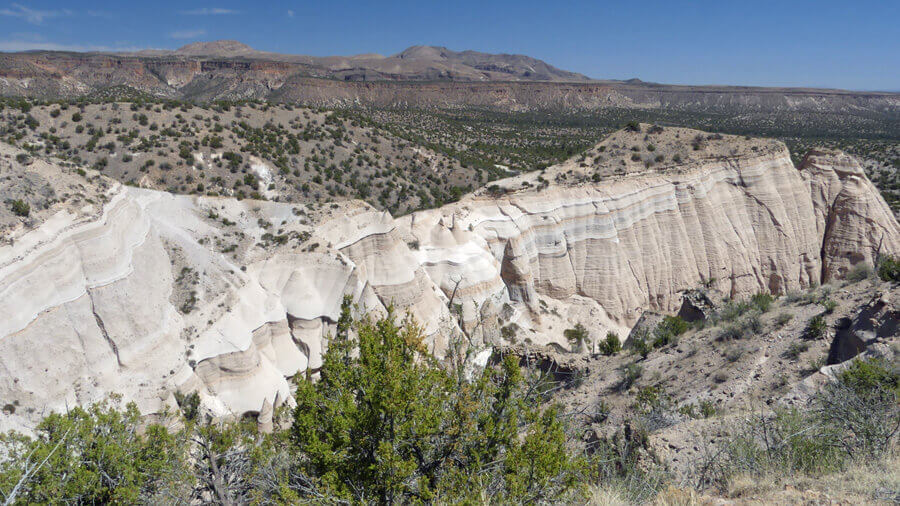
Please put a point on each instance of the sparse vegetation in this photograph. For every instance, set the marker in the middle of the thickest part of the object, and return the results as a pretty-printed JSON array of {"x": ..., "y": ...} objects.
[
  {"x": 816, "y": 327},
  {"x": 668, "y": 330},
  {"x": 20, "y": 208},
  {"x": 853, "y": 419},
  {"x": 889, "y": 269},
  {"x": 610, "y": 345},
  {"x": 577, "y": 336}
]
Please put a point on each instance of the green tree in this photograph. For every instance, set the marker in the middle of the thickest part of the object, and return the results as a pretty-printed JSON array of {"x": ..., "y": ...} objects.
[
  {"x": 87, "y": 456},
  {"x": 388, "y": 424},
  {"x": 577, "y": 336}
]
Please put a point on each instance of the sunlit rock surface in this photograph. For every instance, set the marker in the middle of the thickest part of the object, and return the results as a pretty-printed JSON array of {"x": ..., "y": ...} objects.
[{"x": 147, "y": 293}]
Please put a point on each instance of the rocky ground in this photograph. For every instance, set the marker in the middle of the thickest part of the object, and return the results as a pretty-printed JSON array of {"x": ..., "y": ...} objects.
[{"x": 743, "y": 360}]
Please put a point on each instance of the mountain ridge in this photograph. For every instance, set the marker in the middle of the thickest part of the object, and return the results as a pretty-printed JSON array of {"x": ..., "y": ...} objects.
[{"x": 420, "y": 76}]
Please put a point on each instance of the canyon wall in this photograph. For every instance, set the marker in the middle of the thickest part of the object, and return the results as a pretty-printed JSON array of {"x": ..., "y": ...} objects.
[
  {"x": 746, "y": 224},
  {"x": 150, "y": 293}
]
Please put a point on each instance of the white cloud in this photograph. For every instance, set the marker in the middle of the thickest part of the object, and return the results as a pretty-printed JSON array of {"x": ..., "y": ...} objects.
[
  {"x": 290, "y": 13},
  {"x": 209, "y": 11},
  {"x": 187, "y": 34},
  {"x": 33, "y": 16}
]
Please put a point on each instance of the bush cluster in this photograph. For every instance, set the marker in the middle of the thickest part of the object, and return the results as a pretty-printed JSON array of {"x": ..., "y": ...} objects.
[{"x": 854, "y": 419}]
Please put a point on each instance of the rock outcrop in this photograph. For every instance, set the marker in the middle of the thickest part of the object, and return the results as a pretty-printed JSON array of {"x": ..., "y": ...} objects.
[
  {"x": 854, "y": 222},
  {"x": 157, "y": 293},
  {"x": 742, "y": 223},
  {"x": 147, "y": 293}
]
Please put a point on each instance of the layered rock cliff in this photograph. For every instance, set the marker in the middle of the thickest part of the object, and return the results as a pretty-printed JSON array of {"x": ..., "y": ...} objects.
[{"x": 145, "y": 293}]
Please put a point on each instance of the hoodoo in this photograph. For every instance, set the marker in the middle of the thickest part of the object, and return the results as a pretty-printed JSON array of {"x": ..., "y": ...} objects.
[{"x": 145, "y": 293}]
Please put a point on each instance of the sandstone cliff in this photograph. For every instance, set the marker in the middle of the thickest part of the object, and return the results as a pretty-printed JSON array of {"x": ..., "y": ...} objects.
[{"x": 143, "y": 293}]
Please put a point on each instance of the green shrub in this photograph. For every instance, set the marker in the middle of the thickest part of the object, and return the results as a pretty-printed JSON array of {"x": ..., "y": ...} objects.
[
  {"x": 688, "y": 410},
  {"x": 189, "y": 404},
  {"x": 782, "y": 443},
  {"x": 641, "y": 344},
  {"x": 649, "y": 398},
  {"x": 753, "y": 323},
  {"x": 817, "y": 363},
  {"x": 794, "y": 350},
  {"x": 860, "y": 272},
  {"x": 611, "y": 345},
  {"x": 868, "y": 376},
  {"x": 668, "y": 330},
  {"x": 733, "y": 310},
  {"x": 20, "y": 208},
  {"x": 705, "y": 409},
  {"x": 630, "y": 374},
  {"x": 90, "y": 456},
  {"x": 854, "y": 418},
  {"x": 708, "y": 409},
  {"x": 889, "y": 268},
  {"x": 731, "y": 333},
  {"x": 783, "y": 318},
  {"x": 762, "y": 302},
  {"x": 860, "y": 411},
  {"x": 509, "y": 332},
  {"x": 816, "y": 327},
  {"x": 576, "y": 336}
]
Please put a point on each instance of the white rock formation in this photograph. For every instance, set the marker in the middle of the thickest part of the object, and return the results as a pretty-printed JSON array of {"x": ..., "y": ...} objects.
[{"x": 157, "y": 292}]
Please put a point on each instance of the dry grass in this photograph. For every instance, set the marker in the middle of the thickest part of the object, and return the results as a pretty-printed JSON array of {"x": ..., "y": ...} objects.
[
  {"x": 876, "y": 483},
  {"x": 601, "y": 495}
]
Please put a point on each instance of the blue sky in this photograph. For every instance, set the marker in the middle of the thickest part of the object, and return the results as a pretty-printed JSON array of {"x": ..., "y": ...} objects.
[{"x": 837, "y": 44}]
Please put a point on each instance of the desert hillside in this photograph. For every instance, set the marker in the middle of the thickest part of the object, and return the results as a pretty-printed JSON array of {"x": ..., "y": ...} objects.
[
  {"x": 733, "y": 278},
  {"x": 190, "y": 284}
]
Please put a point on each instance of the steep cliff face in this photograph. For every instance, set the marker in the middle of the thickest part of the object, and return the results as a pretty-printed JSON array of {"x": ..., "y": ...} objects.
[
  {"x": 744, "y": 226},
  {"x": 853, "y": 220},
  {"x": 147, "y": 293},
  {"x": 157, "y": 292},
  {"x": 743, "y": 223}
]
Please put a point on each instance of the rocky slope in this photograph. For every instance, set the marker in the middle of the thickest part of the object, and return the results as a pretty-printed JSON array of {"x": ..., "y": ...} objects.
[{"x": 144, "y": 293}]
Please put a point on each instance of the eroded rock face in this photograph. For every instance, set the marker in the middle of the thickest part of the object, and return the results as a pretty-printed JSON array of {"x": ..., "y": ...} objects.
[
  {"x": 155, "y": 293},
  {"x": 741, "y": 225},
  {"x": 147, "y": 293},
  {"x": 853, "y": 220}
]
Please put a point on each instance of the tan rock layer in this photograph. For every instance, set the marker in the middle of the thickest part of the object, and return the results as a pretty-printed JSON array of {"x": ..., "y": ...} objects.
[
  {"x": 88, "y": 302},
  {"x": 744, "y": 225}
]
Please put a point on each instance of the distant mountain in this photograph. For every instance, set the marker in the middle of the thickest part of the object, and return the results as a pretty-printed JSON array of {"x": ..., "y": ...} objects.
[
  {"x": 415, "y": 63},
  {"x": 420, "y": 76},
  {"x": 224, "y": 48}
]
